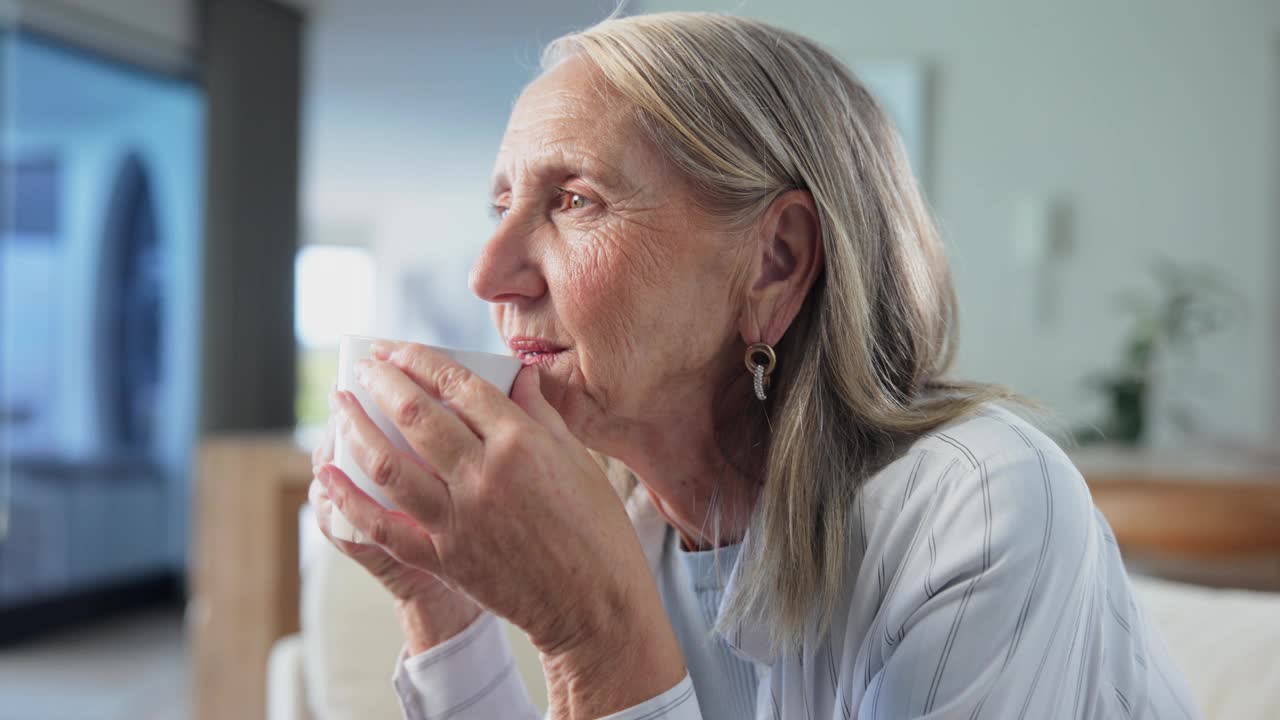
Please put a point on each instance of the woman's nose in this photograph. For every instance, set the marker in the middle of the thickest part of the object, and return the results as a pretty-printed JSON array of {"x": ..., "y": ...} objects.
[{"x": 506, "y": 271}]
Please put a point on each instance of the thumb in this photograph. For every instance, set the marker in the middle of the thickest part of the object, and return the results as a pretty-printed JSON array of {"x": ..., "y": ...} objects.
[{"x": 527, "y": 393}]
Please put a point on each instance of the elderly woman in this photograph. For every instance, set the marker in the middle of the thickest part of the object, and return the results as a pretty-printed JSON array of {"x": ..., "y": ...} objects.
[{"x": 711, "y": 256}]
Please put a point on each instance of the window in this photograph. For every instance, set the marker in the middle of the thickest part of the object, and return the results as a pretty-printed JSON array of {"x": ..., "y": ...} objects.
[{"x": 334, "y": 286}]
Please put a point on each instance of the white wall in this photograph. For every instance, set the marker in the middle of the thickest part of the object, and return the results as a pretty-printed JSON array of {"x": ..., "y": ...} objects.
[{"x": 1154, "y": 120}]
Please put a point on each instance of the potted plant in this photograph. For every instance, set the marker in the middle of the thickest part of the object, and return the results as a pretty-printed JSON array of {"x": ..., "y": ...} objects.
[{"x": 1190, "y": 303}]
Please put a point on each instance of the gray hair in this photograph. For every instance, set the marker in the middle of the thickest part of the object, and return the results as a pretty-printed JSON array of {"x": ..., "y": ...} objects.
[{"x": 747, "y": 112}]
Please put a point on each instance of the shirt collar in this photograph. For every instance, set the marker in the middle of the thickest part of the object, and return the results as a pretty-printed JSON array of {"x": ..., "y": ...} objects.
[{"x": 749, "y": 639}]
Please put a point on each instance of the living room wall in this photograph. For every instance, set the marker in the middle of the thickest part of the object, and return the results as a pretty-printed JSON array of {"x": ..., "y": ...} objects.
[{"x": 1145, "y": 119}]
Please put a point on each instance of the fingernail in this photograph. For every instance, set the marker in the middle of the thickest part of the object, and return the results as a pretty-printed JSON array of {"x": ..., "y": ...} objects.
[
  {"x": 380, "y": 349},
  {"x": 322, "y": 476}
]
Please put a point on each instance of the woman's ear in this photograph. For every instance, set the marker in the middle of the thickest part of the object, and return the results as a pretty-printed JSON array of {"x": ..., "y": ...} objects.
[{"x": 786, "y": 260}]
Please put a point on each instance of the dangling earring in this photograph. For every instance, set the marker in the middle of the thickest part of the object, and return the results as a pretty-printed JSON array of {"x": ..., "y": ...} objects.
[{"x": 760, "y": 361}]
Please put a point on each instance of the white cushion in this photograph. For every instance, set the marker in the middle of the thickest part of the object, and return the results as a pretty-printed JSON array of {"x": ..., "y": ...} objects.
[
  {"x": 1227, "y": 642},
  {"x": 286, "y": 696},
  {"x": 351, "y": 638}
]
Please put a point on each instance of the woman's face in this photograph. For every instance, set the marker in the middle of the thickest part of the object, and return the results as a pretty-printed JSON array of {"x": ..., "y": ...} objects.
[{"x": 601, "y": 261}]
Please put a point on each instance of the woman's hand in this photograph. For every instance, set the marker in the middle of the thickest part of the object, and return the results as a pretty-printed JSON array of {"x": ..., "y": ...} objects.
[
  {"x": 430, "y": 612},
  {"x": 505, "y": 504}
]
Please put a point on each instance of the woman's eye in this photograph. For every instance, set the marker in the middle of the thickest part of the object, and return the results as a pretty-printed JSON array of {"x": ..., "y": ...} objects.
[
  {"x": 573, "y": 200},
  {"x": 499, "y": 212}
]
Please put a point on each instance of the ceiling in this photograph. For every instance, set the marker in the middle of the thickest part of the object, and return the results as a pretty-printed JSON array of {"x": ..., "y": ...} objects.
[{"x": 56, "y": 90}]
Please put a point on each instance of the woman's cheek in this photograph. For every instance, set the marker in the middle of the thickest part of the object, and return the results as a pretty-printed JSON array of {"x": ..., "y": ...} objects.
[
  {"x": 606, "y": 306},
  {"x": 601, "y": 281},
  {"x": 602, "y": 309}
]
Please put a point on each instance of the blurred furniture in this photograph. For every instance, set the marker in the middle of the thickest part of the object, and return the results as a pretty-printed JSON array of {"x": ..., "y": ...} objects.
[
  {"x": 343, "y": 659},
  {"x": 82, "y": 536},
  {"x": 1224, "y": 640},
  {"x": 245, "y": 560},
  {"x": 244, "y": 593},
  {"x": 1211, "y": 517}
]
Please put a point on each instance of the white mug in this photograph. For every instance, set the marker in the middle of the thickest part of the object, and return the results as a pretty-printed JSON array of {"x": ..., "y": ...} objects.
[{"x": 499, "y": 370}]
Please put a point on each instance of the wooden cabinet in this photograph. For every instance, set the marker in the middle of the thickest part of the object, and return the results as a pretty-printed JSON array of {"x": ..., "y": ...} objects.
[
  {"x": 1203, "y": 516},
  {"x": 244, "y": 567}
]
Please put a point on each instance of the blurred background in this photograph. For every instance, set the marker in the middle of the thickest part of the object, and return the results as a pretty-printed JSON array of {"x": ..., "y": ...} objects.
[{"x": 198, "y": 197}]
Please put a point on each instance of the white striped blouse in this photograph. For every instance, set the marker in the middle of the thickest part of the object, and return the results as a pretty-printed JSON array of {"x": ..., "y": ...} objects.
[{"x": 984, "y": 584}]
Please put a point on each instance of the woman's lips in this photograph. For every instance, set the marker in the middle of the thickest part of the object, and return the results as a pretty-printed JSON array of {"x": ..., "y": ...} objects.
[
  {"x": 538, "y": 358},
  {"x": 534, "y": 351}
]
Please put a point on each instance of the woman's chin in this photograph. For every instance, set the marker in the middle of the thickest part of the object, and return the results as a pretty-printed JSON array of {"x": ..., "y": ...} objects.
[{"x": 555, "y": 375}]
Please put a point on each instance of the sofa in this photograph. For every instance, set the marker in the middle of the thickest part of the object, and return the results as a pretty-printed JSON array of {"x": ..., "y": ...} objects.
[{"x": 339, "y": 666}]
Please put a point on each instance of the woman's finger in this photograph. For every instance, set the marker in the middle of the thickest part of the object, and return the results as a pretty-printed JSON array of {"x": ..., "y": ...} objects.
[
  {"x": 322, "y": 508},
  {"x": 431, "y": 429},
  {"x": 371, "y": 557},
  {"x": 324, "y": 451},
  {"x": 393, "y": 532},
  {"x": 476, "y": 401},
  {"x": 526, "y": 392},
  {"x": 414, "y": 488},
  {"x": 319, "y": 501}
]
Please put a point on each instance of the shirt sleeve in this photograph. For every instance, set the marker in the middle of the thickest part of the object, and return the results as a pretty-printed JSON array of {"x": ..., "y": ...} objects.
[
  {"x": 678, "y": 703},
  {"x": 470, "y": 676},
  {"x": 1002, "y": 575}
]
